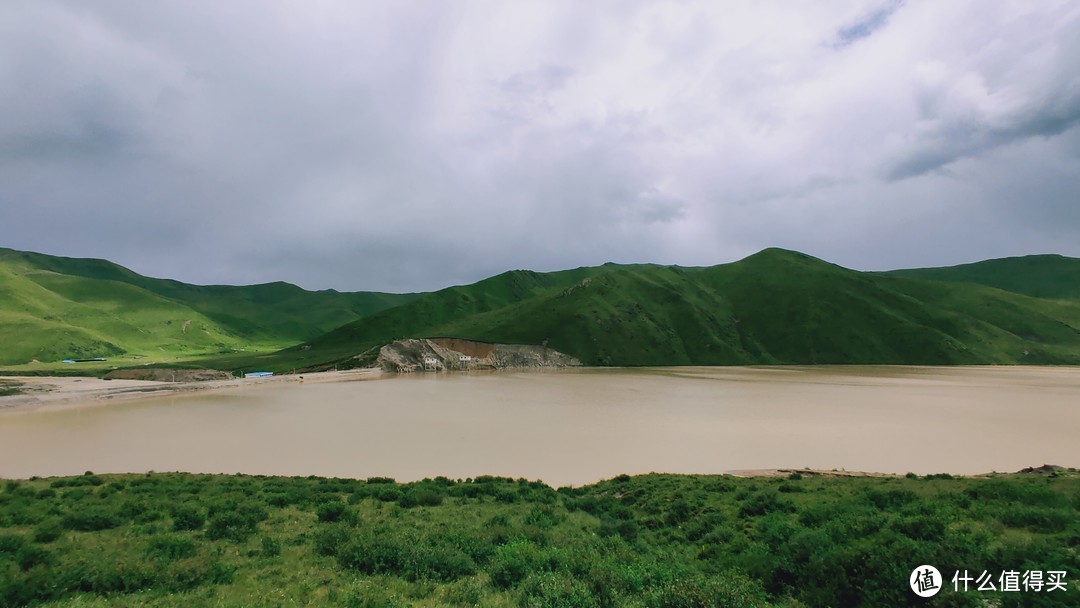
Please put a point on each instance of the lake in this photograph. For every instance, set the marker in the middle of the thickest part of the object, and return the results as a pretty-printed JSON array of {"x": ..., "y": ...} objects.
[{"x": 576, "y": 426}]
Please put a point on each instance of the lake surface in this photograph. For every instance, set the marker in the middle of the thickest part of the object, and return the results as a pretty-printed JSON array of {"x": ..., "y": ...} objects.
[{"x": 578, "y": 426}]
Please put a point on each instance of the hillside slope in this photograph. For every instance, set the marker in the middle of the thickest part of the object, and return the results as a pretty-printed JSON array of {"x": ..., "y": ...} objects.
[
  {"x": 54, "y": 307},
  {"x": 775, "y": 307},
  {"x": 1042, "y": 276}
]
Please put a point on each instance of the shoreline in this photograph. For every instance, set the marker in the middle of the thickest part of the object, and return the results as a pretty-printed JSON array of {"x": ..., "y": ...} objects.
[{"x": 40, "y": 393}]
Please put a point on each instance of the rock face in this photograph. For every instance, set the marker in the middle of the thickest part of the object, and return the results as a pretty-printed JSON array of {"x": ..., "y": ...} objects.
[{"x": 455, "y": 354}]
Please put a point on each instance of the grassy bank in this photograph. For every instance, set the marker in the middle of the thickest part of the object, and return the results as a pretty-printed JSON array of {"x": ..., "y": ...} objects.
[{"x": 650, "y": 541}]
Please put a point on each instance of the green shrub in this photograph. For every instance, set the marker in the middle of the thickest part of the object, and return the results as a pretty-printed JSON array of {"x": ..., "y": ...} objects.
[
  {"x": 551, "y": 590},
  {"x": 329, "y": 540},
  {"x": 231, "y": 525},
  {"x": 412, "y": 558},
  {"x": 725, "y": 591},
  {"x": 29, "y": 556},
  {"x": 48, "y": 531},
  {"x": 10, "y": 543},
  {"x": 543, "y": 517},
  {"x": 271, "y": 547},
  {"x": 764, "y": 502},
  {"x": 388, "y": 493},
  {"x": 170, "y": 547},
  {"x": 188, "y": 517},
  {"x": 1048, "y": 521},
  {"x": 512, "y": 562},
  {"x": 334, "y": 511},
  {"x": 374, "y": 554},
  {"x": 421, "y": 497},
  {"x": 91, "y": 519}
]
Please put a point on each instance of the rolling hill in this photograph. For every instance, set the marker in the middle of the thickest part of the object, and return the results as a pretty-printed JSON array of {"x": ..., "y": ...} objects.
[
  {"x": 53, "y": 308},
  {"x": 1042, "y": 276},
  {"x": 775, "y": 307}
]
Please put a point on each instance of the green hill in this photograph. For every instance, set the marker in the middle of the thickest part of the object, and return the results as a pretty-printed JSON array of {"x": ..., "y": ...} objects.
[
  {"x": 53, "y": 308},
  {"x": 1042, "y": 276},
  {"x": 775, "y": 307}
]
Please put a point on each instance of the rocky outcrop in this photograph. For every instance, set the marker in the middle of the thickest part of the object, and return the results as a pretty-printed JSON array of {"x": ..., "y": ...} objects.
[{"x": 455, "y": 354}]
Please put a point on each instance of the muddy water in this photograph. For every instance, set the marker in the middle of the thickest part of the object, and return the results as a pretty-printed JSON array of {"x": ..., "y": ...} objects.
[{"x": 577, "y": 426}]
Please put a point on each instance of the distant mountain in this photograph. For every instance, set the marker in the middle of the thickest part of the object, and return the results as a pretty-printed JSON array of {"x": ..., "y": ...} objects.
[
  {"x": 1042, "y": 276},
  {"x": 773, "y": 307},
  {"x": 54, "y": 307}
]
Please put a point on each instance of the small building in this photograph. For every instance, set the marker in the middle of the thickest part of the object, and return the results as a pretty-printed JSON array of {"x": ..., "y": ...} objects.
[
  {"x": 465, "y": 358},
  {"x": 431, "y": 363},
  {"x": 258, "y": 374}
]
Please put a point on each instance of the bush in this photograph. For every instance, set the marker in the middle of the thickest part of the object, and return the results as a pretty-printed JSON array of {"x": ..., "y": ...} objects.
[
  {"x": 374, "y": 554},
  {"x": 91, "y": 519},
  {"x": 412, "y": 558},
  {"x": 388, "y": 493},
  {"x": 334, "y": 511},
  {"x": 512, "y": 563},
  {"x": 188, "y": 517},
  {"x": 730, "y": 591},
  {"x": 10, "y": 543},
  {"x": 542, "y": 517},
  {"x": 48, "y": 531},
  {"x": 762, "y": 503},
  {"x": 271, "y": 547},
  {"x": 1049, "y": 521},
  {"x": 550, "y": 590},
  {"x": 31, "y": 555},
  {"x": 232, "y": 525},
  {"x": 329, "y": 540},
  {"x": 421, "y": 497},
  {"x": 170, "y": 547}
]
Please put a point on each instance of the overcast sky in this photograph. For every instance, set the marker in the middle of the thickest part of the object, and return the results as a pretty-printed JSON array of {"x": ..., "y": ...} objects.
[{"x": 409, "y": 146}]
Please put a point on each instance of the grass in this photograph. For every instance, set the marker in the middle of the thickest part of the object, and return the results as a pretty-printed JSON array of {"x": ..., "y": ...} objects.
[{"x": 646, "y": 541}]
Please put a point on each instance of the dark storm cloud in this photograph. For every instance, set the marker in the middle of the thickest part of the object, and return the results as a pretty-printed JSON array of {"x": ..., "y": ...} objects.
[{"x": 409, "y": 146}]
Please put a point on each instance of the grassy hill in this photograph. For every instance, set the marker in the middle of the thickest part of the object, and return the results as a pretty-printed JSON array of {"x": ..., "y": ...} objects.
[
  {"x": 773, "y": 307},
  {"x": 1042, "y": 276},
  {"x": 53, "y": 308}
]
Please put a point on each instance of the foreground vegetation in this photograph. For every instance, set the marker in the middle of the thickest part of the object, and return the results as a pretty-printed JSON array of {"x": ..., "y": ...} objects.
[{"x": 649, "y": 541}]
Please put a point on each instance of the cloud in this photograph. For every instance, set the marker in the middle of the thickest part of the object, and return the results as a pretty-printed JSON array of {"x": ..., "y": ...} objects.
[
  {"x": 406, "y": 146},
  {"x": 867, "y": 25}
]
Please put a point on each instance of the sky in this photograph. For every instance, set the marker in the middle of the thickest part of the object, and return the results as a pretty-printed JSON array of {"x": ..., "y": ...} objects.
[{"x": 409, "y": 146}]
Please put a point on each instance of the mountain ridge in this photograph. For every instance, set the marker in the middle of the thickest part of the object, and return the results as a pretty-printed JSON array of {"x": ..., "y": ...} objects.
[{"x": 776, "y": 306}]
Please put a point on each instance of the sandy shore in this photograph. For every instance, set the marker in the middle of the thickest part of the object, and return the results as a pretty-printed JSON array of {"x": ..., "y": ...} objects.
[{"x": 53, "y": 391}]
